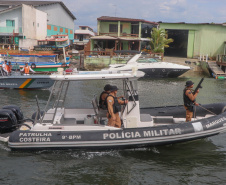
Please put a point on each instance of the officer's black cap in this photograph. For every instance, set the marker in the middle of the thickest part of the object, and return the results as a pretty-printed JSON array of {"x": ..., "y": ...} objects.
[
  {"x": 107, "y": 87},
  {"x": 114, "y": 88},
  {"x": 189, "y": 83}
]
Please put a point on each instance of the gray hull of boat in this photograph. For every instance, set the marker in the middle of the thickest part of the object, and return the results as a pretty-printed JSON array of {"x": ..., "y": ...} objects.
[
  {"x": 25, "y": 82},
  {"x": 57, "y": 137}
]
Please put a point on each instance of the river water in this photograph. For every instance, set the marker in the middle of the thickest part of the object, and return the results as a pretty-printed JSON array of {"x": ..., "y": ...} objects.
[{"x": 197, "y": 162}]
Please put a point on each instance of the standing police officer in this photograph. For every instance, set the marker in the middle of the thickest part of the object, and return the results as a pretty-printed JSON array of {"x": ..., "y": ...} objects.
[
  {"x": 189, "y": 100},
  {"x": 114, "y": 107},
  {"x": 103, "y": 96}
]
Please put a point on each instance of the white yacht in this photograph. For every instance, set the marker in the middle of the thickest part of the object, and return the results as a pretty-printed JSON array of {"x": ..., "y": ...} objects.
[{"x": 151, "y": 67}]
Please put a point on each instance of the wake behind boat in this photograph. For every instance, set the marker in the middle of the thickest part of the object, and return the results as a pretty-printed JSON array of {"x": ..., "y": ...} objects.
[
  {"x": 62, "y": 127},
  {"x": 151, "y": 67}
]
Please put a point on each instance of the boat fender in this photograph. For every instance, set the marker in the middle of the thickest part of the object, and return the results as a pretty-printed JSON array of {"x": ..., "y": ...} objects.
[
  {"x": 33, "y": 66},
  {"x": 23, "y": 122},
  {"x": 63, "y": 65},
  {"x": 224, "y": 109},
  {"x": 38, "y": 116}
]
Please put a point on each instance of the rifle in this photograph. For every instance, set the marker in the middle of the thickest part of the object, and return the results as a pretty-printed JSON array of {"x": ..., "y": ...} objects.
[{"x": 198, "y": 86}]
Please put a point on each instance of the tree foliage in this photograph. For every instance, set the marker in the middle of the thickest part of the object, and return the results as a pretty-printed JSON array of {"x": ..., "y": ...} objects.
[{"x": 159, "y": 40}]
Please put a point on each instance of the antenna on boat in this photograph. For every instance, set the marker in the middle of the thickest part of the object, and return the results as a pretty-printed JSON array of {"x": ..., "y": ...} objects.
[{"x": 38, "y": 113}]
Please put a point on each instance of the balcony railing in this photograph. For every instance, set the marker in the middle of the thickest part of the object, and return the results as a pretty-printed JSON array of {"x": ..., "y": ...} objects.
[
  {"x": 10, "y": 29},
  {"x": 121, "y": 34},
  {"x": 83, "y": 41}
]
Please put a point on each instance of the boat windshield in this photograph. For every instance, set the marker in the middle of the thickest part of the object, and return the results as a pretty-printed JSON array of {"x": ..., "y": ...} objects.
[{"x": 147, "y": 60}]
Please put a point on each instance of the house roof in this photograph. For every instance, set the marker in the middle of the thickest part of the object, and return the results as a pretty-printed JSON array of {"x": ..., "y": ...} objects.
[
  {"x": 104, "y": 37},
  {"x": 86, "y": 27},
  {"x": 84, "y": 32},
  {"x": 107, "y": 18},
  {"x": 107, "y": 37},
  {"x": 35, "y": 4},
  {"x": 9, "y": 9}
]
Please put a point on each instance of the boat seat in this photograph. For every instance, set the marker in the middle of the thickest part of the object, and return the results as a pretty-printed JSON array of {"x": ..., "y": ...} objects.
[
  {"x": 96, "y": 108},
  {"x": 179, "y": 120},
  {"x": 78, "y": 114},
  {"x": 69, "y": 121},
  {"x": 163, "y": 119},
  {"x": 145, "y": 118}
]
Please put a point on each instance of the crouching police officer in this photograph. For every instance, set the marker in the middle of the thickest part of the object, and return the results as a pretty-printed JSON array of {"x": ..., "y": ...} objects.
[
  {"x": 189, "y": 100},
  {"x": 114, "y": 107}
]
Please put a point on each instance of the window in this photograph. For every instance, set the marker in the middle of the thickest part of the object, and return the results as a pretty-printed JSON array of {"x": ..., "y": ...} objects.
[
  {"x": 146, "y": 30},
  {"x": 134, "y": 28},
  {"x": 114, "y": 28},
  {"x": 49, "y": 27},
  {"x": 80, "y": 37},
  {"x": 10, "y": 23}
]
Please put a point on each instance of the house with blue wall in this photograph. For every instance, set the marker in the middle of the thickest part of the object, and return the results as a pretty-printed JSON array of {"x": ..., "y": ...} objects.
[{"x": 26, "y": 22}]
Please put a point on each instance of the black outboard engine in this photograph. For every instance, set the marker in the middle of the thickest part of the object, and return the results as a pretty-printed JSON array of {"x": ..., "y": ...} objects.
[
  {"x": 16, "y": 110},
  {"x": 8, "y": 121}
]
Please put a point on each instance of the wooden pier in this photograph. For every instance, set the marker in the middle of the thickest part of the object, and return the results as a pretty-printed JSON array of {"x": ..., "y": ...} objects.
[{"x": 217, "y": 71}]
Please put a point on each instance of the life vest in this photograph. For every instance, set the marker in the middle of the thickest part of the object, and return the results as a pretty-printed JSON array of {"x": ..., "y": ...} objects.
[
  {"x": 116, "y": 105},
  {"x": 187, "y": 101},
  {"x": 103, "y": 103},
  {"x": 26, "y": 69},
  {"x": 9, "y": 68}
]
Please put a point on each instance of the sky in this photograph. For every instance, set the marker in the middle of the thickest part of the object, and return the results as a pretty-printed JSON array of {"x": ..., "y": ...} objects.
[{"x": 189, "y": 11}]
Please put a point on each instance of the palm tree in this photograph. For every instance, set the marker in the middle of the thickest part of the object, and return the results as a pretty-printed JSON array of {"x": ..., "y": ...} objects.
[{"x": 159, "y": 40}]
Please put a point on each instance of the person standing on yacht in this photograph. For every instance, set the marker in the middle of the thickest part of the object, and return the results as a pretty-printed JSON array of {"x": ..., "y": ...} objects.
[
  {"x": 189, "y": 100},
  {"x": 9, "y": 68},
  {"x": 114, "y": 107}
]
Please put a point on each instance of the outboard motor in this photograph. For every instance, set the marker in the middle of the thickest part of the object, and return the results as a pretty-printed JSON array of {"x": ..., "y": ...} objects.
[
  {"x": 8, "y": 121},
  {"x": 16, "y": 110}
]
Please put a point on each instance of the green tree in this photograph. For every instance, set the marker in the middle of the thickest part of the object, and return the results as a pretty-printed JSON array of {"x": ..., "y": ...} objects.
[{"x": 159, "y": 40}]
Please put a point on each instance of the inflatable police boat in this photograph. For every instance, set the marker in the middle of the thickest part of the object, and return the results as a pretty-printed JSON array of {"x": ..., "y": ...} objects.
[{"x": 60, "y": 127}]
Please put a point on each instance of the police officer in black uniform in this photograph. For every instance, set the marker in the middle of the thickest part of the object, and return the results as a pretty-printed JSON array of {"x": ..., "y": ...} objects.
[
  {"x": 103, "y": 96},
  {"x": 114, "y": 107}
]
